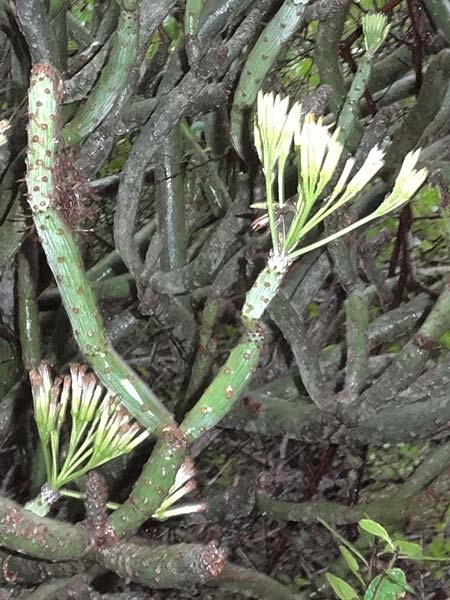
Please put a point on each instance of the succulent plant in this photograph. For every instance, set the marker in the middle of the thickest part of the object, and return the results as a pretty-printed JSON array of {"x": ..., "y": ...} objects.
[{"x": 100, "y": 429}]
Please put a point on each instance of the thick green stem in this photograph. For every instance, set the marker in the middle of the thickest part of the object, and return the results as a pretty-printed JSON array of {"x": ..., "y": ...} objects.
[
  {"x": 263, "y": 55},
  {"x": 25, "y": 532},
  {"x": 73, "y": 587},
  {"x": 263, "y": 291},
  {"x": 229, "y": 383},
  {"x": 107, "y": 265},
  {"x": 173, "y": 313},
  {"x": 64, "y": 258},
  {"x": 233, "y": 377},
  {"x": 114, "y": 288},
  {"x": 192, "y": 16},
  {"x": 326, "y": 56},
  {"x": 114, "y": 77},
  {"x": 439, "y": 123},
  {"x": 350, "y": 111},
  {"x": 375, "y": 31},
  {"x": 170, "y": 202},
  {"x": 356, "y": 311},
  {"x": 153, "y": 484},
  {"x": 39, "y": 506},
  {"x": 391, "y": 508},
  {"x": 59, "y": 26},
  {"x": 164, "y": 566},
  {"x": 357, "y": 324},
  {"x": 387, "y": 511},
  {"x": 78, "y": 32},
  {"x": 31, "y": 571},
  {"x": 427, "y": 106},
  {"x": 218, "y": 399}
]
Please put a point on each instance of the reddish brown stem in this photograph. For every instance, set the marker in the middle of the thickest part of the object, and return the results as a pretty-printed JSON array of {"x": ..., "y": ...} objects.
[
  {"x": 417, "y": 46},
  {"x": 400, "y": 256}
]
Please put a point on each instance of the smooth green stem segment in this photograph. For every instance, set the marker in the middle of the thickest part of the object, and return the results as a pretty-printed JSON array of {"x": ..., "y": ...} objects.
[
  {"x": 59, "y": 26},
  {"x": 357, "y": 325},
  {"x": 263, "y": 290},
  {"x": 153, "y": 484},
  {"x": 350, "y": 110},
  {"x": 192, "y": 16},
  {"x": 233, "y": 377},
  {"x": 326, "y": 56},
  {"x": 226, "y": 388},
  {"x": 392, "y": 509},
  {"x": 170, "y": 202},
  {"x": 113, "y": 79},
  {"x": 64, "y": 258},
  {"x": 332, "y": 512},
  {"x": 410, "y": 361},
  {"x": 294, "y": 332},
  {"x": 78, "y": 32},
  {"x": 30, "y": 335},
  {"x": 264, "y": 53}
]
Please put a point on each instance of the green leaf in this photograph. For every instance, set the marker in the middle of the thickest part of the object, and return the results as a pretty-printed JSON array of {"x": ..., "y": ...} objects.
[
  {"x": 375, "y": 29},
  {"x": 387, "y": 586},
  {"x": 444, "y": 340},
  {"x": 352, "y": 563},
  {"x": 349, "y": 559},
  {"x": 409, "y": 549},
  {"x": 343, "y": 541},
  {"x": 376, "y": 529},
  {"x": 341, "y": 588}
]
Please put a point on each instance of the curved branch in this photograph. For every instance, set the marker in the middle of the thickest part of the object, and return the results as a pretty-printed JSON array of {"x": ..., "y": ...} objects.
[
  {"x": 36, "y": 28},
  {"x": 25, "y": 532},
  {"x": 113, "y": 79}
]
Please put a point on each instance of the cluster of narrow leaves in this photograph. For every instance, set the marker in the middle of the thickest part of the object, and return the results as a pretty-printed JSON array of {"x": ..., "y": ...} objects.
[
  {"x": 82, "y": 426},
  {"x": 375, "y": 29},
  {"x": 318, "y": 153},
  {"x": 320, "y": 158},
  {"x": 100, "y": 429},
  {"x": 184, "y": 484},
  {"x": 390, "y": 583}
]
